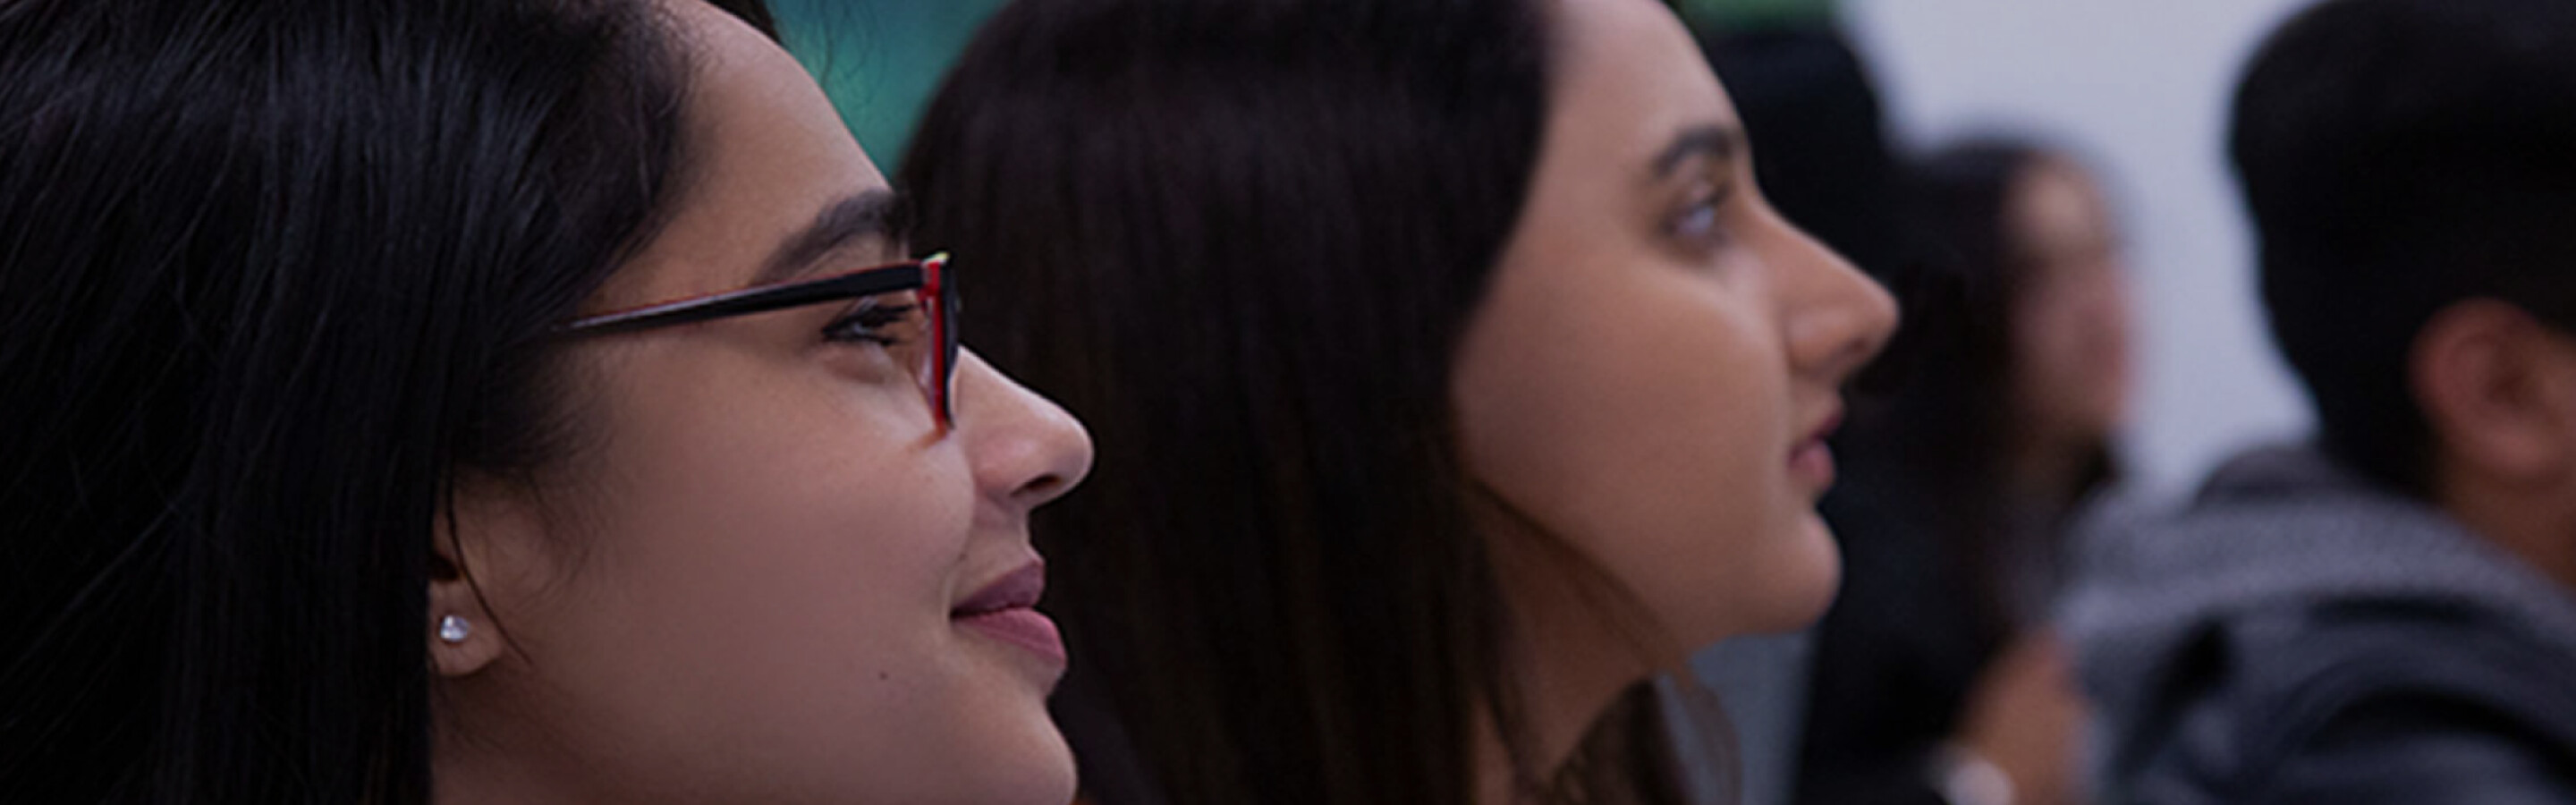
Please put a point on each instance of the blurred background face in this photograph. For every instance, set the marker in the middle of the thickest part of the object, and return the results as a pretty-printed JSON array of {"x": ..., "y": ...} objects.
[
  {"x": 759, "y": 583},
  {"x": 2070, "y": 335},
  {"x": 1658, "y": 357}
]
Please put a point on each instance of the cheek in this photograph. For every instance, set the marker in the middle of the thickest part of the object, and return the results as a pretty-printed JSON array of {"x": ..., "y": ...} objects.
[
  {"x": 764, "y": 489},
  {"x": 2073, "y": 360},
  {"x": 2106, "y": 320},
  {"x": 1647, "y": 422},
  {"x": 769, "y": 558}
]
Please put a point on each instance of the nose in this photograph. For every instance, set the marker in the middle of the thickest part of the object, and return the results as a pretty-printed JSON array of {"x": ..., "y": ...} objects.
[
  {"x": 1024, "y": 449},
  {"x": 1837, "y": 318}
]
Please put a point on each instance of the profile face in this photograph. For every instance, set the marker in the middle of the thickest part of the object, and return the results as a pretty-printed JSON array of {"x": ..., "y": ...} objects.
[
  {"x": 1659, "y": 355},
  {"x": 768, "y": 572},
  {"x": 2070, "y": 325}
]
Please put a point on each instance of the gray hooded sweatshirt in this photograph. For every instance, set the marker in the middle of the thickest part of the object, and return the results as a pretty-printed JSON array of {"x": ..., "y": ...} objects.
[{"x": 2294, "y": 634}]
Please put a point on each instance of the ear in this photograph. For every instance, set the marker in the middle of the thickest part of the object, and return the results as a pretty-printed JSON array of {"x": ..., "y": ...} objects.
[
  {"x": 2498, "y": 391},
  {"x": 483, "y": 538}
]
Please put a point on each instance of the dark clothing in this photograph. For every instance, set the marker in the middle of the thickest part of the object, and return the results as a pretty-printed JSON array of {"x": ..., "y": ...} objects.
[{"x": 2295, "y": 635}]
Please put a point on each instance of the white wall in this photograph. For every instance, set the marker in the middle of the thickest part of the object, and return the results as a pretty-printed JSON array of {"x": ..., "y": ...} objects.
[{"x": 2140, "y": 87}]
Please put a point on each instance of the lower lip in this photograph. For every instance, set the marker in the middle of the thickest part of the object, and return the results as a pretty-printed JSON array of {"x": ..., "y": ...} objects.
[
  {"x": 1022, "y": 627},
  {"x": 1813, "y": 465}
]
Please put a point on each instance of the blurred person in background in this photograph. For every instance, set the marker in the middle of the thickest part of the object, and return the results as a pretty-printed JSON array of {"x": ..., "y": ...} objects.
[
  {"x": 2388, "y": 614},
  {"x": 473, "y": 402},
  {"x": 1936, "y": 677},
  {"x": 1452, "y": 375}
]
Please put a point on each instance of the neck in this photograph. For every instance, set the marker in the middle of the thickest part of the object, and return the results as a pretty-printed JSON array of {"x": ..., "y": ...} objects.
[
  {"x": 2530, "y": 521},
  {"x": 1574, "y": 647}
]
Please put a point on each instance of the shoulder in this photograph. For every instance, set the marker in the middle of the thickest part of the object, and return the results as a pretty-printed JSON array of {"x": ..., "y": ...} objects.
[
  {"x": 2427, "y": 747},
  {"x": 2420, "y": 703},
  {"x": 2299, "y": 704}
]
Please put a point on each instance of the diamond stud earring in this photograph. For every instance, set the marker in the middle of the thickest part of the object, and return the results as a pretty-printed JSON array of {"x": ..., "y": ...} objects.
[{"x": 454, "y": 629}]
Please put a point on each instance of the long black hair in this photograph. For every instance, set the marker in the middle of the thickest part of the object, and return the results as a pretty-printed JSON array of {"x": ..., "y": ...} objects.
[
  {"x": 272, "y": 275},
  {"x": 1241, "y": 241}
]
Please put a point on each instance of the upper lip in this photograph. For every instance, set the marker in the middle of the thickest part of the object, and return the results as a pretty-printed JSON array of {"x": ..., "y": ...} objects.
[
  {"x": 1018, "y": 589},
  {"x": 1833, "y": 420}
]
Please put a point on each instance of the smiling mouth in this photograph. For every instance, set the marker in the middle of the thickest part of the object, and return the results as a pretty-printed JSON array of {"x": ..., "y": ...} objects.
[{"x": 1006, "y": 611}]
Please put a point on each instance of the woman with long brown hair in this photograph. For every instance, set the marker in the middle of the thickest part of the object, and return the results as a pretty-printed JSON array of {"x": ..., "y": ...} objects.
[{"x": 1451, "y": 375}]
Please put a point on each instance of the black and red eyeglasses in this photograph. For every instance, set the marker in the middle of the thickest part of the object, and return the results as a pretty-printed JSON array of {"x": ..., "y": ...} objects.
[{"x": 904, "y": 306}]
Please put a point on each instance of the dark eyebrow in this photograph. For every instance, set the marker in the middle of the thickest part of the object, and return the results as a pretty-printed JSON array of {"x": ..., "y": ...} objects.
[
  {"x": 1713, "y": 141},
  {"x": 870, "y": 214}
]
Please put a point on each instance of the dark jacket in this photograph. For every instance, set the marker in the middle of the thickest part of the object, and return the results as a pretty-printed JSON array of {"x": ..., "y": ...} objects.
[{"x": 2295, "y": 635}]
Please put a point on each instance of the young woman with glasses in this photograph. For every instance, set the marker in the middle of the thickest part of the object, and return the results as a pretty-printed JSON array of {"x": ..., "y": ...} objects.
[
  {"x": 1452, "y": 378},
  {"x": 466, "y": 401}
]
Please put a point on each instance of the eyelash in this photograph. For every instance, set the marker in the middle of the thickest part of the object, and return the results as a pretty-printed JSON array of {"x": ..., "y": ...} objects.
[{"x": 862, "y": 324}]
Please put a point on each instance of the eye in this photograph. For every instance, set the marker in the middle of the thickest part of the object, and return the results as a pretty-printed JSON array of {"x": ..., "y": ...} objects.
[
  {"x": 883, "y": 320},
  {"x": 1696, "y": 221}
]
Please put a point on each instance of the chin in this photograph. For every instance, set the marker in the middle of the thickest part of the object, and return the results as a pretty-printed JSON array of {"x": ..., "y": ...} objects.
[
  {"x": 1006, "y": 751},
  {"x": 1776, "y": 604},
  {"x": 1799, "y": 592},
  {"x": 1062, "y": 779},
  {"x": 1045, "y": 772}
]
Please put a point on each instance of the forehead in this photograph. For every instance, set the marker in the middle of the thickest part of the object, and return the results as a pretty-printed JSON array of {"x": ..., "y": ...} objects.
[
  {"x": 1628, "y": 76},
  {"x": 2051, "y": 196},
  {"x": 764, "y": 154}
]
